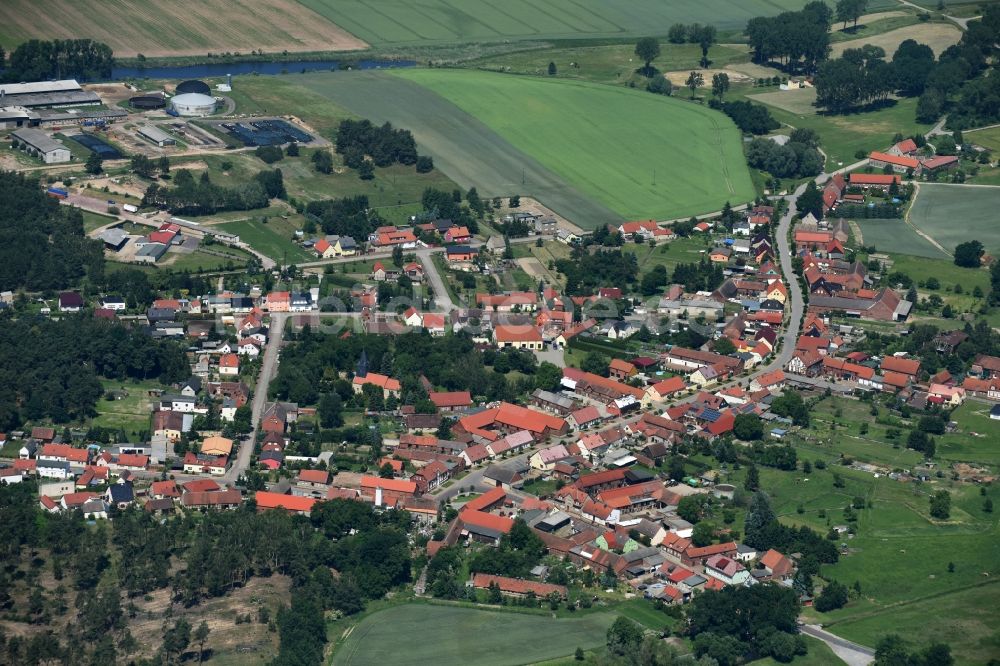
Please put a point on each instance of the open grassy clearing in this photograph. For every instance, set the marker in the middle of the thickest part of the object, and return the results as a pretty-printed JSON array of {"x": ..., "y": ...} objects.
[
  {"x": 898, "y": 237},
  {"x": 273, "y": 239},
  {"x": 987, "y": 138},
  {"x": 455, "y": 635},
  {"x": 463, "y": 147},
  {"x": 397, "y": 22},
  {"x": 285, "y": 95},
  {"x": 93, "y": 221},
  {"x": 953, "y": 214},
  {"x": 183, "y": 27},
  {"x": 841, "y": 136},
  {"x": 131, "y": 412},
  {"x": 641, "y": 155},
  {"x": 942, "y": 618},
  {"x": 216, "y": 257},
  {"x": 609, "y": 63},
  {"x": 938, "y": 36}
]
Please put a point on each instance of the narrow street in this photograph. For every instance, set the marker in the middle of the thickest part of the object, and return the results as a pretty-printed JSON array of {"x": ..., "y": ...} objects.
[
  {"x": 268, "y": 369},
  {"x": 852, "y": 653}
]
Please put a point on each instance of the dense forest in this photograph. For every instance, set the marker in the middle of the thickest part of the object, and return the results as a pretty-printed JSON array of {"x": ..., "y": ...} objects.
[
  {"x": 42, "y": 244},
  {"x": 198, "y": 558},
  {"x": 202, "y": 197},
  {"x": 587, "y": 272},
  {"x": 37, "y": 60},
  {"x": 51, "y": 369},
  {"x": 348, "y": 216}
]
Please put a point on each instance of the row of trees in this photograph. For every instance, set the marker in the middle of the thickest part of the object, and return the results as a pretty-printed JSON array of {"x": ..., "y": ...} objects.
[
  {"x": 36, "y": 60},
  {"x": 42, "y": 244}
]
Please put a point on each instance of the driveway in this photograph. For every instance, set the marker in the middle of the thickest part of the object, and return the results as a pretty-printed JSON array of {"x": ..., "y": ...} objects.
[{"x": 852, "y": 653}]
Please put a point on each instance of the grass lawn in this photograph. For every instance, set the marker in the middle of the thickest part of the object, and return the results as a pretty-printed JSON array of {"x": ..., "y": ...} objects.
[
  {"x": 273, "y": 238},
  {"x": 397, "y": 23},
  {"x": 454, "y": 635},
  {"x": 93, "y": 221},
  {"x": 641, "y": 155},
  {"x": 957, "y": 614},
  {"x": 131, "y": 413},
  {"x": 680, "y": 251},
  {"x": 977, "y": 438},
  {"x": 216, "y": 257},
  {"x": 607, "y": 63},
  {"x": 938, "y": 206},
  {"x": 987, "y": 138}
]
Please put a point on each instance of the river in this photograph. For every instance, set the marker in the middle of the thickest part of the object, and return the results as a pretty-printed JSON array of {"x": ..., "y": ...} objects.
[{"x": 221, "y": 69}]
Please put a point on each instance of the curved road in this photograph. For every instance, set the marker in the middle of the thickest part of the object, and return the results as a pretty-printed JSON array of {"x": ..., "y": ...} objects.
[{"x": 851, "y": 653}]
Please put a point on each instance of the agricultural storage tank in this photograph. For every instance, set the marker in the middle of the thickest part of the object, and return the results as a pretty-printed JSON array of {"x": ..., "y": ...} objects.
[
  {"x": 146, "y": 102},
  {"x": 199, "y": 87},
  {"x": 193, "y": 104}
]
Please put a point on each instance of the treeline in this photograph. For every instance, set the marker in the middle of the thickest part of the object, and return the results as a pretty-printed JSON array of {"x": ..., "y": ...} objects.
[
  {"x": 385, "y": 145},
  {"x": 587, "y": 272},
  {"x": 197, "y": 559},
  {"x": 42, "y": 244},
  {"x": 763, "y": 531},
  {"x": 36, "y": 60},
  {"x": 797, "y": 40},
  {"x": 701, "y": 276},
  {"x": 202, "y": 197},
  {"x": 51, "y": 369}
]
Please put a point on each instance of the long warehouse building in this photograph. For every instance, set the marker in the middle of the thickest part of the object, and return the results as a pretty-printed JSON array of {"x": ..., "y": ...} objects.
[
  {"x": 41, "y": 145},
  {"x": 50, "y": 94}
]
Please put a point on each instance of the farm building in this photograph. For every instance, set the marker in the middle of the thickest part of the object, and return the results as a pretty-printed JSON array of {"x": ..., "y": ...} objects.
[
  {"x": 193, "y": 104},
  {"x": 41, "y": 145},
  {"x": 12, "y": 117},
  {"x": 46, "y": 94},
  {"x": 114, "y": 239},
  {"x": 156, "y": 135},
  {"x": 150, "y": 253}
]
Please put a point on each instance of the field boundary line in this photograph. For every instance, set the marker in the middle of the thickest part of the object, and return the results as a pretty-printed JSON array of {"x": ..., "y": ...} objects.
[{"x": 910, "y": 602}]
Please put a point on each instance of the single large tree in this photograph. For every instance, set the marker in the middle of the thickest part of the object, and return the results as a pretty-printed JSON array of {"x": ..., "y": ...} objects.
[
  {"x": 720, "y": 84},
  {"x": 694, "y": 81},
  {"x": 648, "y": 50},
  {"x": 851, "y": 10},
  {"x": 969, "y": 254}
]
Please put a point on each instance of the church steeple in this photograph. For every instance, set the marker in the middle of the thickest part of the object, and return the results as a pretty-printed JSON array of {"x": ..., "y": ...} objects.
[{"x": 362, "y": 370}]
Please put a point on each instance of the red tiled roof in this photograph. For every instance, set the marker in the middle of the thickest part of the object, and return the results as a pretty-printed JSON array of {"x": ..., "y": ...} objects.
[
  {"x": 314, "y": 476},
  {"x": 486, "y": 500},
  {"x": 517, "y": 334},
  {"x": 874, "y": 179},
  {"x": 516, "y": 585},
  {"x": 451, "y": 398},
  {"x": 487, "y": 521},
  {"x": 905, "y": 366},
  {"x": 512, "y": 416},
  {"x": 387, "y": 383},
  {"x": 268, "y": 500},
  {"x": 201, "y": 486},
  {"x": 396, "y": 485},
  {"x": 670, "y": 385},
  {"x": 908, "y": 162}
]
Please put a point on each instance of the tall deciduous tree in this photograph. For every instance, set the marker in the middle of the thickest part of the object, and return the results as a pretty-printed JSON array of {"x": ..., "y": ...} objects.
[{"x": 648, "y": 50}]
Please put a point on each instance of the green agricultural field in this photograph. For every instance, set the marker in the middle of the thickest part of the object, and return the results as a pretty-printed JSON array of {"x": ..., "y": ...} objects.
[
  {"x": 454, "y": 635},
  {"x": 464, "y": 148},
  {"x": 897, "y": 237},
  {"x": 93, "y": 221},
  {"x": 397, "y": 22},
  {"x": 641, "y": 155},
  {"x": 953, "y": 214},
  {"x": 216, "y": 257},
  {"x": 607, "y": 63}
]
